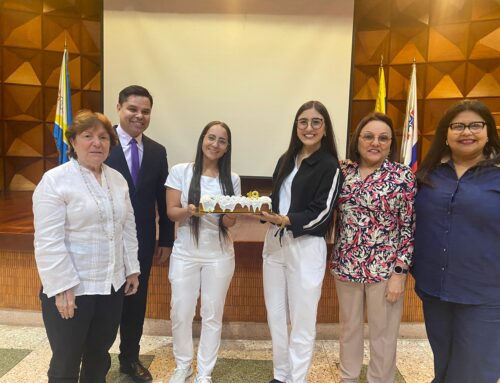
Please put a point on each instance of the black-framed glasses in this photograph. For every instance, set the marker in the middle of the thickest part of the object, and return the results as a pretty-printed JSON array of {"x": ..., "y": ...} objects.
[
  {"x": 474, "y": 126},
  {"x": 369, "y": 137},
  {"x": 316, "y": 123}
]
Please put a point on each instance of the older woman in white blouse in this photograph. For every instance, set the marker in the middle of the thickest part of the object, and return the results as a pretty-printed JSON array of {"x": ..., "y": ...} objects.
[{"x": 86, "y": 252}]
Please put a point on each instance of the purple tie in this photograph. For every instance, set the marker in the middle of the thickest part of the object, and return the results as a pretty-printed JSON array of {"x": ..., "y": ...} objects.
[{"x": 135, "y": 160}]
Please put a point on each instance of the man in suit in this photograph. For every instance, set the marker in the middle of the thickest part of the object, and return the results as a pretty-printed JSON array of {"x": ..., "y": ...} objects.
[{"x": 143, "y": 163}]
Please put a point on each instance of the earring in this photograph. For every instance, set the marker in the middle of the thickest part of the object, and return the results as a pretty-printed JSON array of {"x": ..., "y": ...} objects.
[
  {"x": 447, "y": 143},
  {"x": 324, "y": 134}
]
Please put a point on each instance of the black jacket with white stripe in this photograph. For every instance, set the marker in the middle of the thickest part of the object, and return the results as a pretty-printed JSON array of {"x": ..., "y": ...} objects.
[{"x": 314, "y": 193}]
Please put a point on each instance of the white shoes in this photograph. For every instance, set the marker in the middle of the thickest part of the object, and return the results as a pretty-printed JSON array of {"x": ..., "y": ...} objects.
[
  {"x": 181, "y": 375},
  {"x": 203, "y": 379}
]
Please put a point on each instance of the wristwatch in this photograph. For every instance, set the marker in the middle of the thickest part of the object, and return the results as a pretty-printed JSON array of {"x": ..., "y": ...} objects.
[{"x": 400, "y": 270}]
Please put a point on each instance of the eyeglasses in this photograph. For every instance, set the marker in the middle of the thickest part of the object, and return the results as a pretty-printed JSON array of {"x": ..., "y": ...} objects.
[
  {"x": 213, "y": 138},
  {"x": 303, "y": 123},
  {"x": 474, "y": 126},
  {"x": 382, "y": 139}
]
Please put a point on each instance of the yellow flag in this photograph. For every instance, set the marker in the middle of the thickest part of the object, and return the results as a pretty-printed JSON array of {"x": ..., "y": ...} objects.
[{"x": 380, "y": 103}]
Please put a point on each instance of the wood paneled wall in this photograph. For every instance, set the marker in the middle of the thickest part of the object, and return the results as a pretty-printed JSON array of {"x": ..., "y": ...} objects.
[
  {"x": 20, "y": 285},
  {"x": 32, "y": 37},
  {"x": 455, "y": 43}
]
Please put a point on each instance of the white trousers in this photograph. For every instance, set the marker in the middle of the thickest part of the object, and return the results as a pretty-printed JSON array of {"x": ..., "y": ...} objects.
[
  {"x": 293, "y": 276},
  {"x": 187, "y": 279},
  {"x": 383, "y": 325}
]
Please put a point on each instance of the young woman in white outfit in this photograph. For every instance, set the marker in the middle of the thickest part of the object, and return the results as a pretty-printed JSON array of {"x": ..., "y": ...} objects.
[
  {"x": 306, "y": 183},
  {"x": 203, "y": 255}
]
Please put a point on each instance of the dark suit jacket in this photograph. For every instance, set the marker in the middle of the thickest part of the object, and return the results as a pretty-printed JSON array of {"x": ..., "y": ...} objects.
[{"x": 147, "y": 195}]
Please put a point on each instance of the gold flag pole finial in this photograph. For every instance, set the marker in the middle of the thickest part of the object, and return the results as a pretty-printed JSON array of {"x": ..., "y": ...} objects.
[
  {"x": 381, "y": 60},
  {"x": 65, "y": 42}
]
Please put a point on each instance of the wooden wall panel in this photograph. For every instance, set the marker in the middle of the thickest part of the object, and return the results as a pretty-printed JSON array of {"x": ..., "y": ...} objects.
[
  {"x": 456, "y": 44},
  {"x": 485, "y": 10},
  {"x": 20, "y": 285},
  {"x": 32, "y": 38}
]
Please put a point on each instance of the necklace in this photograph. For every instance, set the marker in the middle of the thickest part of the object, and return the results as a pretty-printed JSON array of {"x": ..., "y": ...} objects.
[{"x": 109, "y": 234}]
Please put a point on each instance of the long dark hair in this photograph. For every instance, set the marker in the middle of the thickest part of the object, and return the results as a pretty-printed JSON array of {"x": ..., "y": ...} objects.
[
  {"x": 353, "y": 153},
  {"x": 439, "y": 149},
  {"x": 226, "y": 183},
  {"x": 288, "y": 158},
  {"x": 327, "y": 142}
]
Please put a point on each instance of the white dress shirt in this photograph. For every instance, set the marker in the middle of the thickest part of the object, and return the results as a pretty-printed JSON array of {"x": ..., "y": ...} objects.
[
  {"x": 124, "y": 139},
  {"x": 85, "y": 236}
]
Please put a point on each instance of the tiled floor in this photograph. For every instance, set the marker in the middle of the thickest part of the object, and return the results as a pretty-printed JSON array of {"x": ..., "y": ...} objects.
[{"x": 25, "y": 354}]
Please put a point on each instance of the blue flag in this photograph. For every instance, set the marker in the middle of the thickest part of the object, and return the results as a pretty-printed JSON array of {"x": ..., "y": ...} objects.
[{"x": 64, "y": 114}]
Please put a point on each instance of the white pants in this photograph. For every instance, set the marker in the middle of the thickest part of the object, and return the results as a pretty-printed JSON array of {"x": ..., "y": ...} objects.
[
  {"x": 187, "y": 278},
  {"x": 383, "y": 324},
  {"x": 293, "y": 276}
]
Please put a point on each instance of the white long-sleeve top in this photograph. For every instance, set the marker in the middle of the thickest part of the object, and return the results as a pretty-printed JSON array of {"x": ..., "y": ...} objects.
[{"x": 76, "y": 245}]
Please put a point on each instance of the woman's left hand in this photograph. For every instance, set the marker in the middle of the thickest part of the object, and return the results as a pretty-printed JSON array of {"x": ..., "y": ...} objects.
[
  {"x": 395, "y": 287},
  {"x": 132, "y": 284},
  {"x": 277, "y": 219}
]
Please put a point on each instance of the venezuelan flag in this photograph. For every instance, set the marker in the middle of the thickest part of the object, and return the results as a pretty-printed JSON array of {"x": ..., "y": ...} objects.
[{"x": 64, "y": 114}]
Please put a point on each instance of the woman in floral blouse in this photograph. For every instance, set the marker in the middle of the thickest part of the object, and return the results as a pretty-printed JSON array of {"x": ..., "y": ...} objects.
[{"x": 373, "y": 248}]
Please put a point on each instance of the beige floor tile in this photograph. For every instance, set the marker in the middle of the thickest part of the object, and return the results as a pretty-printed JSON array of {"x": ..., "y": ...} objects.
[
  {"x": 33, "y": 368},
  {"x": 321, "y": 370},
  {"x": 414, "y": 359},
  {"x": 21, "y": 337}
]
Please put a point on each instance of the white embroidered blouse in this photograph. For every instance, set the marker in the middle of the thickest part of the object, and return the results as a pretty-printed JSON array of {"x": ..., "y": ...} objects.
[{"x": 85, "y": 235}]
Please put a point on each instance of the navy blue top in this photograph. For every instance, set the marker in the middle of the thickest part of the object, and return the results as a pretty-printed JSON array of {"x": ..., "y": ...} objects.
[{"x": 457, "y": 240}]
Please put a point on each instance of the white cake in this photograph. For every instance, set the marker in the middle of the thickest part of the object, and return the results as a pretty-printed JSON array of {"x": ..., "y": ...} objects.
[{"x": 234, "y": 204}]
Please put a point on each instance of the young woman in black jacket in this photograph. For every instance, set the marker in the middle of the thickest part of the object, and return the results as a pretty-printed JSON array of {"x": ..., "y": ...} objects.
[{"x": 306, "y": 183}]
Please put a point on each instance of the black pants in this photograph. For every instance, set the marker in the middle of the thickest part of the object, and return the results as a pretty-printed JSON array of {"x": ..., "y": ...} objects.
[
  {"x": 84, "y": 339},
  {"x": 132, "y": 321}
]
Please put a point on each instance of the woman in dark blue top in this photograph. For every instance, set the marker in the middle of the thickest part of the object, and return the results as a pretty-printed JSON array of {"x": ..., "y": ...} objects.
[{"x": 457, "y": 245}]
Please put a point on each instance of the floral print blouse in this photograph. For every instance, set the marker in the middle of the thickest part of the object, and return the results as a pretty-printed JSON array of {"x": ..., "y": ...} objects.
[{"x": 375, "y": 222}]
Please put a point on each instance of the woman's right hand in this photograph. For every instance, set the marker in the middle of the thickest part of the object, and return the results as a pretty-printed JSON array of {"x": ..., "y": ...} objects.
[
  {"x": 66, "y": 304},
  {"x": 175, "y": 211}
]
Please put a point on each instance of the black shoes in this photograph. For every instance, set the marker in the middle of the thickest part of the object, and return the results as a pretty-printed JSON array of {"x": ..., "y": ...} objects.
[
  {"x": 276, "y": 381},
  {"x": 136, "y": 371}
]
